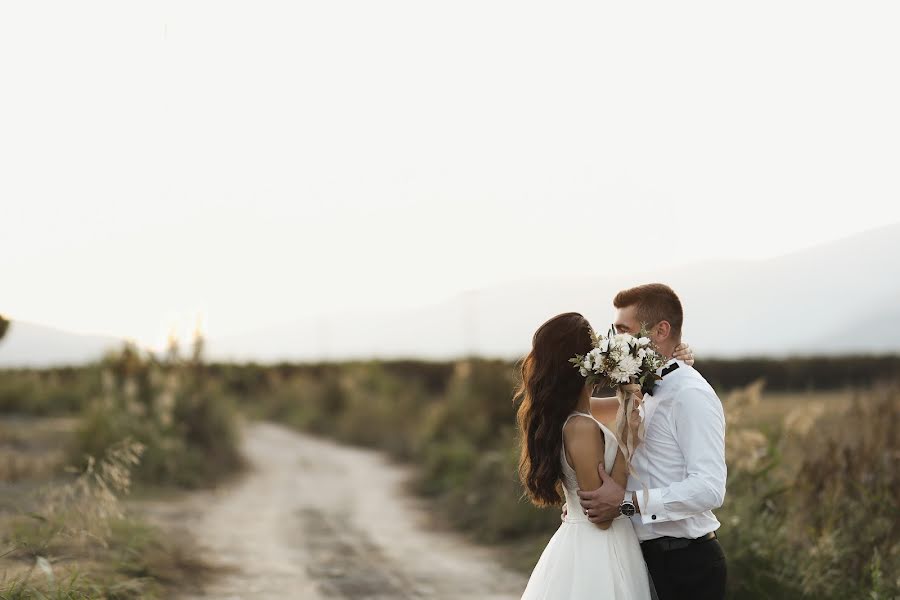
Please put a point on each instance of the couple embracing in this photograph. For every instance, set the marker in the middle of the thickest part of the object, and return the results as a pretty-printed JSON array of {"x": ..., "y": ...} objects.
[{"x": 637, "y": 517}]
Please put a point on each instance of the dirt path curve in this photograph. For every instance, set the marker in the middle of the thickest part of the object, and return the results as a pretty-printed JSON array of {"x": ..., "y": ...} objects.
[{"x": 317, "y": 520}]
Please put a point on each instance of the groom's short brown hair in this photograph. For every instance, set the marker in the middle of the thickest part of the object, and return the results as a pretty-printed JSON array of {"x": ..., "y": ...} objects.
[{"x": 654, "y": 302}]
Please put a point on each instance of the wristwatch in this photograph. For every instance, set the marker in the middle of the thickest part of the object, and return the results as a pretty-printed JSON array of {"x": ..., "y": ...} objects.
[{"x": 627, "y": 507}]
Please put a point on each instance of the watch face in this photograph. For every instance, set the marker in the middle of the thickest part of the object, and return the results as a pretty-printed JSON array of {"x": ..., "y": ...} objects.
[{"x": 628, "y": 510}]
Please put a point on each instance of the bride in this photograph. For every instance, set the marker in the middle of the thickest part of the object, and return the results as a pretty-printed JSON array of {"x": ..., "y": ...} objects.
[{"x": 561, "y": 447}]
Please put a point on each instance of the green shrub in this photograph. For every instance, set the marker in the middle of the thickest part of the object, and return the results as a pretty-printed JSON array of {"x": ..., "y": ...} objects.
[
  {"x": 47, "y": 392},
  {"x": 184, "y": 420}
]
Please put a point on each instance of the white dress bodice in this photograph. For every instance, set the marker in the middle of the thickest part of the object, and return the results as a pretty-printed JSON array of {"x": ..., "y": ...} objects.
[{"x": 570, "y": 482}]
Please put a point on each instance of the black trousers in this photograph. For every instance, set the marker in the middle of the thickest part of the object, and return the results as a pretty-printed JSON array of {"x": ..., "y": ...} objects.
[{"x": 696, "y": 572}]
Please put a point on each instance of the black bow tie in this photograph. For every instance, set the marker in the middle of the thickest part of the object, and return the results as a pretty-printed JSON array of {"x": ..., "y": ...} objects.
[
  {"x": 669, "y": 369},
  {"x": 650, "y": 384}
]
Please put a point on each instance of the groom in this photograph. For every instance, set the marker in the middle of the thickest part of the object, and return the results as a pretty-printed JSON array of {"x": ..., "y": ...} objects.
[{"x": 681, "y": 462}]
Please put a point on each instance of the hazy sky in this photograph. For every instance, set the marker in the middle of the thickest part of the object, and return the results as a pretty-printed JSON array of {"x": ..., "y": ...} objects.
[{"x": 262, "y": 161}]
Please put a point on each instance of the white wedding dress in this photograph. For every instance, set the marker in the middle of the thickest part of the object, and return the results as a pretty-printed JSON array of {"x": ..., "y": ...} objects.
[{"x": 582, "y": 561}]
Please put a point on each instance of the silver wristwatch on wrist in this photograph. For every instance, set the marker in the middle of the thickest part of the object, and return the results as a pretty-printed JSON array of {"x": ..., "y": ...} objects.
[{"x": 627, "y": 507}]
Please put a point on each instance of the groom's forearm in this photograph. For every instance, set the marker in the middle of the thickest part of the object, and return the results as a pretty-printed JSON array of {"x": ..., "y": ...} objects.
[{"x": 680, "y": 500}]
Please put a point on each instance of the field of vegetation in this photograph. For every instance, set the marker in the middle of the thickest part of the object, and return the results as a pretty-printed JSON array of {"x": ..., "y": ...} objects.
[
  {"x": 73, "y": 443},
  {"x": 811, "y": 509}
]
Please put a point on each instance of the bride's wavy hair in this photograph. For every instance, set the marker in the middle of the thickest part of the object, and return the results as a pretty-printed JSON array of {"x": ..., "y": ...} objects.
[{"x": 548, "y": 393}]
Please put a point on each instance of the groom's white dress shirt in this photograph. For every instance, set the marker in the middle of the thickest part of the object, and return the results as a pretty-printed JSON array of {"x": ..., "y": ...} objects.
[{"x": 682, "y": 458}]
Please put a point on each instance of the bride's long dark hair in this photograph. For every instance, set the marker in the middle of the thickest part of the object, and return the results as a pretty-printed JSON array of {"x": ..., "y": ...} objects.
[{"x": 548, "y": 393}]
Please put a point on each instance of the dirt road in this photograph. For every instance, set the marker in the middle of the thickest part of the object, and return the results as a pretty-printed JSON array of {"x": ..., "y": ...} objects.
[{"x": 317, "y": 520}]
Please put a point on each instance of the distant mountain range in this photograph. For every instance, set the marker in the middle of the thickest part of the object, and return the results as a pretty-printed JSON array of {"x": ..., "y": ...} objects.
[
  {"x": 830, "y": 299},
  {"x": 842, "y": 297},
  {"x": 30, "y": 345}
]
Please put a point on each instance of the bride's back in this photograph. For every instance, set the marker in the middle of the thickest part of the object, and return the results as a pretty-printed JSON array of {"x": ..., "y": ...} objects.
[{"x": 569, "y": 478}]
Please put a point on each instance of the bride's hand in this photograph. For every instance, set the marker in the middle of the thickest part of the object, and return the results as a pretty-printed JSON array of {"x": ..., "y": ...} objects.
[{"x": 684, "y": 353}]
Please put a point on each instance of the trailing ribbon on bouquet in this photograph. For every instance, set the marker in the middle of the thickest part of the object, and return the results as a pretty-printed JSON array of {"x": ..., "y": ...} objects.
[{"x": 630, "y": 427}]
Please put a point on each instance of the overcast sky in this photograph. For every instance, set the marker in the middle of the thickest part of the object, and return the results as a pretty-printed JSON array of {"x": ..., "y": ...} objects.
[{"x": 258, "y": 162}]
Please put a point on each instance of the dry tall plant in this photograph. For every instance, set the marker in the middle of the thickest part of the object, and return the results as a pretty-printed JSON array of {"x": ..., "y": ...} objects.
[
  {"x": 745, "y": 447},
  {"x": 81, "y": 510}
]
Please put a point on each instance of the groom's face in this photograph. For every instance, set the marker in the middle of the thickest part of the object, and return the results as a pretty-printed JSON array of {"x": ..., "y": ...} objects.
[{"x": 627, "y": 321}]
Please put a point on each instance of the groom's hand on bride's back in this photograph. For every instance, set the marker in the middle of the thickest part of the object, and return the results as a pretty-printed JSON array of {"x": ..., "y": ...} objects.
[{"x": 602, "y": 505}]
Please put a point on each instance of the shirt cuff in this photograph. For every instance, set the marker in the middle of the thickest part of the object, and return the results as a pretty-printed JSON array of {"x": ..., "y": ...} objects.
[{"x": 655, "y": 510}]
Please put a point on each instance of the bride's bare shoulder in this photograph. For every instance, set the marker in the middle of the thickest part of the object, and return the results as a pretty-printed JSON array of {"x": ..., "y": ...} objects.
[{"x": 582, "y": 434}]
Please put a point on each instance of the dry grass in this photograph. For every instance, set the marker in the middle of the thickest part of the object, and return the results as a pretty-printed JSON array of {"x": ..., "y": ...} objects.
[
  {"x": 813, "y": 477},
  {"x": 33, "y": 449},
  {"x": 74, "y": 539},
  {"x": 16, "y": 465},
  {"x": 774, "y": 408}
]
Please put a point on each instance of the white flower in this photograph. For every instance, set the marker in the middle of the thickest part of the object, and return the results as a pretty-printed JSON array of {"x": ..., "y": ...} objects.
[
  {"x": 604, "y": 345},
  {"x": 618, "y": 376},
  {"x": 624, "y": 338},
  {"x": 583, "y": 371},
  {"x": 596, "y": 355},
  {"x": 627, "y": 367},
  {"x": 644, "y": 341},
  {"x": 642, "y": 353},
  {"x": 630, "y": 365}
]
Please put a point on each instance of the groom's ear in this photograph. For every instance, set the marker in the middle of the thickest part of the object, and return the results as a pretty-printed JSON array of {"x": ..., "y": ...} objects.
[{"x": 663, "y": 330}]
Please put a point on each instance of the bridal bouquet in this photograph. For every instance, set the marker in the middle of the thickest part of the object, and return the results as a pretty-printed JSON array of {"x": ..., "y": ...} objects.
[
  {"x": 621, "y": 359},
  {"x": 628, "y": 363}
]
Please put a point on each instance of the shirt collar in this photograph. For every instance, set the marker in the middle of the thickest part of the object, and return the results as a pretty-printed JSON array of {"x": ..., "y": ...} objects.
[{"x": 672, "y": 361}]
